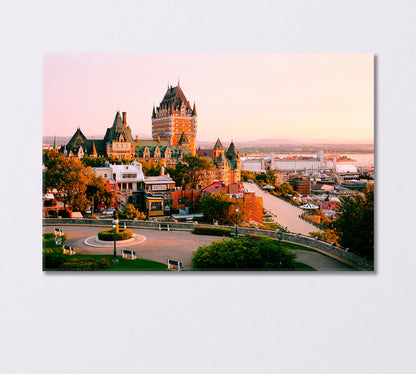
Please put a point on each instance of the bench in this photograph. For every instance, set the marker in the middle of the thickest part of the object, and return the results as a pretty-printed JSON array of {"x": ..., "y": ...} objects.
[
  {"x": 58, "y": 232},
  {"x": 172, "y": 263},
  {"x": 68, "y": 250},
  {"x": 164, "y": 225},
  {"x": 125, "y": 253}
]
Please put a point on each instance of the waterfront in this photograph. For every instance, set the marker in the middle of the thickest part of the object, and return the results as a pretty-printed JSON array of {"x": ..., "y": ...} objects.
[{"x": 361, "y": 159}]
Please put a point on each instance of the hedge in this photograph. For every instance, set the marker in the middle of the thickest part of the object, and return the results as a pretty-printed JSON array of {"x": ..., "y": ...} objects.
[
  {"x": 207, "y": 230},
  {"x": 86, "y": 264},
  {"x": 253, "y": 253},
  {"x": 108, "y": 235}
]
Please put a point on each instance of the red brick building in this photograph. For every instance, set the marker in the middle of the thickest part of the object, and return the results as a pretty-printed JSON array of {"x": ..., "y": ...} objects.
[
  {"x": 252, "y": 205},
  {"x": 174, "y": 120}
]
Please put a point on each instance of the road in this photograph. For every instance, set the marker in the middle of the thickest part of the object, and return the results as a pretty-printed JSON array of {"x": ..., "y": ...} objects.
[
  {"x": 286, "y": 213},
  {"x": 175, "y": 245}
]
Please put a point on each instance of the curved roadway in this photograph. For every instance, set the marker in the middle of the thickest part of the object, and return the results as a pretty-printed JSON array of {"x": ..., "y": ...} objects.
[
  {"x": 175, "y": 245},
  {"x": 283, "y": 212}
]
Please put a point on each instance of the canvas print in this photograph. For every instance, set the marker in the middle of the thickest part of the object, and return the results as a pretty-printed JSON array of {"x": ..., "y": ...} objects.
[{"x": 208, "y": 162}]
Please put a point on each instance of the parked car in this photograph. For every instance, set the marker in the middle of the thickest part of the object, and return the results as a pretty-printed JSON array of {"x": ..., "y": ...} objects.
[{"x": 109, "y": 211}]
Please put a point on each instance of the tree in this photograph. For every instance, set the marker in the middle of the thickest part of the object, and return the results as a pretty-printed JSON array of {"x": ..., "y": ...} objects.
[
  {"x": 97, "y": 190},
  {"x": 220, "y": 207},
  {"x": 94, "y": 162},
  {"x": 68, "y": 177},
  {"x": 247, "y": 253},
  {"x": 151, "y": 168},
  {"x": 130, "y": 212},
  {"x": 247, "y": 175},
  {"x": 285, "y": 189},
  {"x": 355, "y": 225},
  {"x": 191, "y": 169},
  {"x": 77, "y": 186}
]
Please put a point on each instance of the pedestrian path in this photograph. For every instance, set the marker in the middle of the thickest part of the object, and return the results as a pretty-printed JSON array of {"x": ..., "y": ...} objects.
[{"x": 283, "y": 212}]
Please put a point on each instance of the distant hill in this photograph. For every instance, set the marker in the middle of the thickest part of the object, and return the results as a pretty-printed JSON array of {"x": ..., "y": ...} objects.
[{"x": 61, "y": 140}]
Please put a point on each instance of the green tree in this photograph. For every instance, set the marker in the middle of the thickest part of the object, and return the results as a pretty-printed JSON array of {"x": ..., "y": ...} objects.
[
  {"x": 191, "y": 170},
  {"x": 94, "y": 162},
  {"x": 355, "y": 225},
  {"x": 221, "y": 208},
  {"x": 261, "y": 177}
]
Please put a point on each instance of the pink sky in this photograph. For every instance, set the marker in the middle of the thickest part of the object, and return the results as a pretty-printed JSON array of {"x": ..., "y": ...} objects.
[{"x": 238, "y": 96}]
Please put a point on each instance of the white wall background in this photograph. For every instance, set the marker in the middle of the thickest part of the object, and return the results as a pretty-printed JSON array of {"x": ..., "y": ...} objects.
[{"x": 205, "y": 323}]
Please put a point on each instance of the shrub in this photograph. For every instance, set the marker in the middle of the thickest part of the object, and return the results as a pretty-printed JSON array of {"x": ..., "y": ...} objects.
[
  {"x": 256, "y": 253},
  {"x": 53, "y": 258},
  {"x": 108, "y": 235},
  {"x": 49, "y": 241},
  {"x": 81, "y": 264},
  {"x": 207, "y": 230},
  {"x": 130, "y": 212}
]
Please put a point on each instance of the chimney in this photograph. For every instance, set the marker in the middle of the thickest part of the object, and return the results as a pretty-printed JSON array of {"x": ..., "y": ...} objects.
[
  {"x": 124, "y": 119},
  {"x": 137, "y": 138},
  {"x": 158, "y": 139}
]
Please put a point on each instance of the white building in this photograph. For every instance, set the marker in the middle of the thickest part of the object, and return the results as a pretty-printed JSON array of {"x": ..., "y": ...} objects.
[{"x": 253, "y": 164}]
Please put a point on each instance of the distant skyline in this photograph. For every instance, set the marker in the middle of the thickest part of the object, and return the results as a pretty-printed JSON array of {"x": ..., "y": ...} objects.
[{"x": 238, "y": 96}]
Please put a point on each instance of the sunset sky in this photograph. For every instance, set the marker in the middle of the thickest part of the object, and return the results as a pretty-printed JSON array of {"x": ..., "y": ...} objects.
[{"x": 238, "y": 96}]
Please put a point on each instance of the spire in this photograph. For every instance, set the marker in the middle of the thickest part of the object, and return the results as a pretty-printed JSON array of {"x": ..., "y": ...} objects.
[
  {"x": 178, "y": 82},
  {"x": 94, "y": 151},
  {"x": 194, "y": 110},
  {"x": 154, "y": 113},
  {"x": 218, "y": 144},
  {"x": 231, "y": 151}
]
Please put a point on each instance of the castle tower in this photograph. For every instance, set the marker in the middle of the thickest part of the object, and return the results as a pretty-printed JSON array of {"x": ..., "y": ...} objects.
[
  {"x": 217, "y": 150},
  {"x": 175, "y": 117},
  {"x": 118, "y": 139}
]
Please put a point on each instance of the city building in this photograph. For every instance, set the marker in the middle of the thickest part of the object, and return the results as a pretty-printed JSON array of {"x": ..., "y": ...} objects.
[
  {"x": 301, "y": 184},
  {"x": 293, "y": 163},
  {"x": 174, "y": 120},
  {"x": 227, "y": 163},
  {"x": 252, "y": 205}
]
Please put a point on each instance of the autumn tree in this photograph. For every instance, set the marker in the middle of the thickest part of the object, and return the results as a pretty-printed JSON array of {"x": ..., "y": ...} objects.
[
  {"x": 130, "y": 212},
  {"x": 151, "y": 169},
  {"x": 355, "y": 225},
  {"x": 77, "y": 186},
  {"x": 247, "y": 175},
  {"x": 68, "y": 177},
  {"x": 97, "y": 189}
]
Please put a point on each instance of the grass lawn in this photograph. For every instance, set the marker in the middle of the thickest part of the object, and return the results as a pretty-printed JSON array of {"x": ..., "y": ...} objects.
[
  {"x": 299, "y": 266},
  {"x": 129, "y": 265}
]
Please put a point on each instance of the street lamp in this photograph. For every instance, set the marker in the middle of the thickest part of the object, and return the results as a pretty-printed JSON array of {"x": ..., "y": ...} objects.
[
  {"x": 280, "y": 236},
  {"x": 115, "y": 222},
  {"x": 236, "y": 222}
]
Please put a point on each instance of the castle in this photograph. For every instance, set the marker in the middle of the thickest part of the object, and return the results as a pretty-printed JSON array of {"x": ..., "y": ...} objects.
[{"x": 174, "y": 129}]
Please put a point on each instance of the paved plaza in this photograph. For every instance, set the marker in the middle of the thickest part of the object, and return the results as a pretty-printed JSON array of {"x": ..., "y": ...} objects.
[{"x": 175, "y": 245}]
